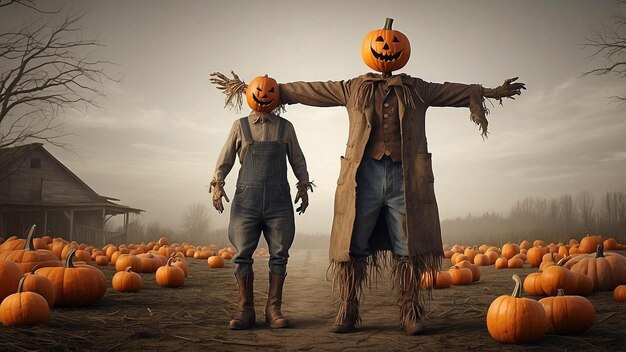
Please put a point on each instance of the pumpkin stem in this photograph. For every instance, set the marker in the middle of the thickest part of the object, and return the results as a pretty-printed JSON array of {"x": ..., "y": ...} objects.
[
  {"x": 129, "y": 269},
  {"x": 564, "y": 260},
  {"x": 20, "y": 285},
  {"x": 388, "y": 23},
  {"x": 517, "y": 291},
  {"x": 560, "y": 292},
  {"x": 30, "y": 246},
  {"x": 600, "y": 251},
  {"x": 39, "y": 266},
  {"x": 70, "y": 259},
  {"x": 169, "y": 261}
]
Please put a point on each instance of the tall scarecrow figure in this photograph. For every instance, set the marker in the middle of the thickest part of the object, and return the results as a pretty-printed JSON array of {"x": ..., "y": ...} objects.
[
  {"x": 385, "y": 198},
  {"x": 262, "y": 201}
]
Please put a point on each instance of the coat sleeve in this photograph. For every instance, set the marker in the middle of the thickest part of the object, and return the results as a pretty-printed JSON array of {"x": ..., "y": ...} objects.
[
  {"x": 323, "y": 94},
  {"x": 448, "y": 94},
  {"x": 456, "y": 95}
]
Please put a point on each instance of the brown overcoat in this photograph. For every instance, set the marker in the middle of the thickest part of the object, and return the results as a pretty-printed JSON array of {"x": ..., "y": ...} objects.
[{"x": 414, "y": 98}]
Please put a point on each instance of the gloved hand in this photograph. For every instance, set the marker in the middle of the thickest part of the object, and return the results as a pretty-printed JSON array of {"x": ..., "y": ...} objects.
[
  {"x": 217, "y": 189},
  {"x": 303, "y": 195},
  {"x": 507, "y": 90}
]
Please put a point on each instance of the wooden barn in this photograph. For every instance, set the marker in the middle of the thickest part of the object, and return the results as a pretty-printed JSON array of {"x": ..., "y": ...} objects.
[{"x": 36, "y": 188}]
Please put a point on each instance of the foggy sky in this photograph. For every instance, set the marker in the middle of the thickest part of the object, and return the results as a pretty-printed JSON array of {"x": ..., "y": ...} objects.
[{"x": 155, "y": 142}]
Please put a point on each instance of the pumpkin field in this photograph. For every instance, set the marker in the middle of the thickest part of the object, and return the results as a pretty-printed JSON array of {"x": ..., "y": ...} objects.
[{"x": 192, "y": 313}]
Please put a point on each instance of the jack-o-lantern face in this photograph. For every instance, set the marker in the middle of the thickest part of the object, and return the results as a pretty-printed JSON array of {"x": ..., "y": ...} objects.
[
  {"x": 262, "y": 94},
  {"x": 385, "y": 50}
]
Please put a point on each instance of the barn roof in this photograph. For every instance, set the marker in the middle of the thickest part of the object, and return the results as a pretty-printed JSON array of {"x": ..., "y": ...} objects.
[{"x": 13, "y": 156}]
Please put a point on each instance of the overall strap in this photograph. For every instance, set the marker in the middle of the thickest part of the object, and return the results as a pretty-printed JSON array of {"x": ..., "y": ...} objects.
[
  {"x": 245, "y": 128},
  {"x": 281, "y": 130}
]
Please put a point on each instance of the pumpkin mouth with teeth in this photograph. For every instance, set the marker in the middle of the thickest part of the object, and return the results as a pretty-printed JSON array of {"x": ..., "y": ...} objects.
[
  {"x": 385, "y": 50},
  {"x": 262, "y": 94},
  {"x": 261, "y": 102},
  {"x": 388, "y": 57}
]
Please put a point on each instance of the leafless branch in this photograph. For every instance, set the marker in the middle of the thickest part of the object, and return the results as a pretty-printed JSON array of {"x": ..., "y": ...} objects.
[
  {"x": 45, "y": 70},
  {"x": 26, "y": 3},
  {"x": 610, "y": 44}
]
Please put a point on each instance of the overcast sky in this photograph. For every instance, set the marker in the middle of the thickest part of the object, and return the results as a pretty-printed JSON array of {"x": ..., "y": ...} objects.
[{"x": 155, "y": 142}]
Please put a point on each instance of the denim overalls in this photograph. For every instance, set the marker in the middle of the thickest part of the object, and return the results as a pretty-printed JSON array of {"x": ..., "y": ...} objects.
[{"x": 262, "y": 203}]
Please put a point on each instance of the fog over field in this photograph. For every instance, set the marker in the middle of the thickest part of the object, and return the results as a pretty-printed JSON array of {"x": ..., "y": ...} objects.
[{"x": 154, "y": 142}]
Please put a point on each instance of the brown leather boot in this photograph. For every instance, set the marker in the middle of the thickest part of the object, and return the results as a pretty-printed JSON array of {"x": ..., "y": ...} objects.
[
  {"x": 273, "y": 315},
  {"x": 245, "y": 317},
  {"x": 349, "y": 279}
]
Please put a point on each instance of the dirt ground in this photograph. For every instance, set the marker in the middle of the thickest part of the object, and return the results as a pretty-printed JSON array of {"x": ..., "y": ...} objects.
[{"x": 195, "y": 317}]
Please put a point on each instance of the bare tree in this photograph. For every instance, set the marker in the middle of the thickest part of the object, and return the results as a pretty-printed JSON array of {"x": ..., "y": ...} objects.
[
  {"x": 566, "y": 213},
  {"x": 196, "y": 223},
  {"x": 610, "y": 44},
  {"x": 45, "y": 70},
  {"x": 584, "y": 205},
  {"x": 155, "y": 230}
]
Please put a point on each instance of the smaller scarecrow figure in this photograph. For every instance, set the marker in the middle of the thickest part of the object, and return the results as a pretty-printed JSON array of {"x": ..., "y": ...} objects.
[{"x": 262, "y": 202}]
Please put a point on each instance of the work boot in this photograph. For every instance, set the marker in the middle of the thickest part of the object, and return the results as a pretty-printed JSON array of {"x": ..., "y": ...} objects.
[
  {"x": 245, "y": 317},
  {"x": 273, "y": 315},
  {"x": 406, "y": 282},
  {"x": 349, "y": 278}
]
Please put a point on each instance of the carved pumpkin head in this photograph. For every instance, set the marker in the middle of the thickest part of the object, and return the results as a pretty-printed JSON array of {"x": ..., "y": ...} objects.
[
  {"x": 385, "y": 50},
  {"x": 262, "y": 94}
]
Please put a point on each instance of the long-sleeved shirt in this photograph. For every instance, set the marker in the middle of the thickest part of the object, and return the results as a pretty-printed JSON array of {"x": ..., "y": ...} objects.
[{"x": 264, "y": 127}]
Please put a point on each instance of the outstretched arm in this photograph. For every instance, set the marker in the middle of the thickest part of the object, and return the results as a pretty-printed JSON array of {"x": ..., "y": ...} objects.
[{"x": 330, "y": 93}]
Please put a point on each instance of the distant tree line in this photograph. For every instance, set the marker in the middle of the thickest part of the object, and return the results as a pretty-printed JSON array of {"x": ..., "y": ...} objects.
[
  {"x": 195, "y": 229},
  {"x": 553, "y": 220}
]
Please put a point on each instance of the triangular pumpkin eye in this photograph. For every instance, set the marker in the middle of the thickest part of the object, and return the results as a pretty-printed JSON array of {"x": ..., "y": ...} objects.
[
  {"x": 380, "y": 39},
  {"x": 395, "y": 39},
  {"x": 271, "y": 90},
  {"x": 259, "y": 89}
]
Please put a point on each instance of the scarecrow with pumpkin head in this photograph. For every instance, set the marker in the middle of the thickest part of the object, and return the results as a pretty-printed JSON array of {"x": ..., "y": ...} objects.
[
  {"x": 385, "y": 199},
  {"x": 262, "y": 202}
]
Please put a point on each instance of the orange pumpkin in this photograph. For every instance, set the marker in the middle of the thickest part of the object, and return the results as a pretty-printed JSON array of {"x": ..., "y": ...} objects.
[
  {"x": 473, "y": 267},
  {"x": 170, "y": 276},
  {"x": 619, "y": 294},
  {"x": 39, "y": 284},
  {"x": 24, "y": 308},
  {"x": 181, "y": 263},
  {"x": 556, "y": 277},
  {"x": 513, "y": 319},
  {"x": 102, "y": 260},
  {"x": 515, "y": 263},
  {"x": 215, "y": 261},
  {"x": 126, "y": 260},
  {"x": 568, "y": 314},
  {"x": 606, "y": 270},
  {"x": 509, "y": 250},
  {"x": 502, "y": 263},
  {"x": 75, "y": 286},
  {"x": 28, "y": 257},
  {"x": 534, "y": 256},
  {"x": 127, "y": 281},
  {"x": 262, "y": 94},
  {"x": 10, "y": 275},
  {"x": 385, "y": 50},
  {"x": 460, "y": 276},
  {"x": 610, "y": 244},
  {"x": 588, "y": 244},
  {"x": 443, "y": 280},
  {"x": 532, "y": 285}
]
